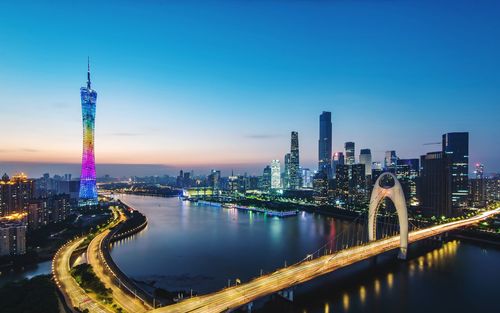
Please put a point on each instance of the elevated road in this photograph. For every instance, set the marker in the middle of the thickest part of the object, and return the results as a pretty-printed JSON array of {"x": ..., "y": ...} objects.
[
  {"x": 285, "y": 278},
  {"x": 95, "y": 258},
  {"x": 74, "y": 295}
]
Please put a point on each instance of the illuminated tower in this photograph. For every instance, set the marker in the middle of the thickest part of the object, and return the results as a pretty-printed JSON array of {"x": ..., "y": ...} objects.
[{"x": 88, "y": 189}]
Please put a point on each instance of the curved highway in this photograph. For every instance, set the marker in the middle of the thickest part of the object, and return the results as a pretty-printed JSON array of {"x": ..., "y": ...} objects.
[{"x": 74, "y": 295}]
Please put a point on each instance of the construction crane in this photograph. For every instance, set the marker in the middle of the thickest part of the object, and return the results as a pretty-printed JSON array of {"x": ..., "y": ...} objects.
[{"x": 431, "y": 143}]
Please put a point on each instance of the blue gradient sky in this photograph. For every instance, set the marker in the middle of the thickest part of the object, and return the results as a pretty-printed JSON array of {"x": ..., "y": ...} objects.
[{"x": 201, "y": 84}]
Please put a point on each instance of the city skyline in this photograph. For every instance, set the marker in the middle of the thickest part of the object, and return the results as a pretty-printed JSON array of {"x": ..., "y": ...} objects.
[{"x": 178, "y": 93}]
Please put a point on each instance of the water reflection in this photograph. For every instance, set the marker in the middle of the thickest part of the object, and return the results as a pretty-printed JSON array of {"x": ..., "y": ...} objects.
[
  {"x": 345, "y": 302},
  {"x": 390, "y": 280},
  {"x": 377, "y": 287}
]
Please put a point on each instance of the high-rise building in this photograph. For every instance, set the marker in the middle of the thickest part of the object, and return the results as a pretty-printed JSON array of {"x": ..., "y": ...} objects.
[
  {"x": 456, "y": 156},
  {"x": 432, "y": 192},
  {"x": 338, "y": 159},
  {"x": 320, "y": 188},
  {"x": 390, "y": 161},
  {"x": 365, "y": 157},
  {"x": 479, "y": 171},
  {"x": 325, "y": 143},
  {"x": 286, "y": 172},
  {"x": 342, "y": 184},
  {"x": 265, "y": 183},
  {"x": 477, "y": 192},
  {"x": 214, "y": 181},
  {"x": 444, "y": 183},
  {"x": 294, "y": 167},
  {"x": 275, "y": 174},
  {"x": 12, "y": 238},
  {"x": 493, "y": 188},
  {"x": 307, "y": 178},
  {"x": 349, "y": 153},
  {"x": 15, "y": 194},
  {"x": 407, "y": 172},
  {"x": 88, "y": 188}
]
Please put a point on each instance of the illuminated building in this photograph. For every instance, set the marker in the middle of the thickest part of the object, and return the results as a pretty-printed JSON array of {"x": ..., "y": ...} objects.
[
  {"x": 307, "y": 178},
  {"x": 407, "y": 172},
  {"x": 479, "y": 171},
  {"x": 88, "y": 188},
  {"x": 342, "y": 183},
  {"x": 456, "y": 162},
  {"x": 493, "y": 188},
  {"x": 12, "y": 238},
  {"x": 294, "y": 167},
  {"x": 214, "y": 181},
  {"x": 15, "y": 194},
  {"x": 477, "y": 192},
  {"x": 275, "y": 174},
  {"x": 320, "y": 187},
  {"x": 265, "y": 183},
  {"x": 390, "y": 161},
  {"x": 338, "y": 159},
  {"x": 325, "y": 143},
  {"x": 432, "y": 192},
  {"x": 365, "y": 157},
  {"x": 286, "y": 173},
  {"x": 349, "y": 153},
  {"x": 357, "y": 184}
]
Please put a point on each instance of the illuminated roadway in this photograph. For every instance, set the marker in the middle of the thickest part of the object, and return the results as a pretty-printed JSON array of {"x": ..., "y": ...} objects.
[
  {"x": 96, "y": 259},
  {"x": 74, "y": 295},
  {"x": 282, "y": 279}
]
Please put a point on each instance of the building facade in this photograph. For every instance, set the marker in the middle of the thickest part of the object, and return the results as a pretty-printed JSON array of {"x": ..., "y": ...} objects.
[
  {"x": 365, "y": 158},
  {"x": 325, "y": 143},
  {"x": 349, "y": 153},
  {"x": 294, "y": 167},
  {"x": 455, "y": 147},
  {"x": 15, "y": 194},
  {"x": 275, "y": 174},
  {"x": 12, "y": 238}
]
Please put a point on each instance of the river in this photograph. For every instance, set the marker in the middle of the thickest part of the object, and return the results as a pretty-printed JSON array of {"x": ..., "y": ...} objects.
[{"x": 188, "y": 246}]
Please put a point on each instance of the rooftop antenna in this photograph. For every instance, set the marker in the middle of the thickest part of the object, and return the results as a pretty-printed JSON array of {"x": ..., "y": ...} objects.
[{"x": 88, "y": 72}]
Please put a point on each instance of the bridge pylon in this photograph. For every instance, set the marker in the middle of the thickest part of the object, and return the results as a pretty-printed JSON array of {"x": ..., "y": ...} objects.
[{"x": 395, "y": 193}]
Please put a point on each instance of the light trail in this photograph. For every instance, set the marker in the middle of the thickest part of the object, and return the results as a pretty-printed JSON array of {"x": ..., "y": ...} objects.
[{"x": 74, "y": 295}]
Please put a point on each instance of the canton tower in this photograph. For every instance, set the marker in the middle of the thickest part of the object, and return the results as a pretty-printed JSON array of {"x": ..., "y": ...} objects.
[{"x": 88, "y": 189}]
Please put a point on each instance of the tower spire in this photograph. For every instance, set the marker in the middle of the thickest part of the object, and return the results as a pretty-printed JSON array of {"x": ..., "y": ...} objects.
[{"x": 88, "y": 72}]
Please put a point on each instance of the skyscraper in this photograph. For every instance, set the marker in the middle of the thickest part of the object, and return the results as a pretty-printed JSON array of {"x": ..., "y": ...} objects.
[
  {"x": 88, "y": 189},
  {"x": 432, "y": 192},
  {"x": 407, "y": 172},
  {"x": 390, "y": 161},
  {"x": 456, "y": 157},
  {"x": 365, "y": 157},
  {"x": 338, "y": 159},
  {"x": 325, "y": 143},
  {"x": 349, "y": 153},
  {"x": 275, "y": 174},
  {"x": 286, "y": 173},
  {"x": 265, "y": 183},
  {"x": 444, "y": 176},
  {"x": 294, "y": 178},
  {"x": 478, "y": 187}
]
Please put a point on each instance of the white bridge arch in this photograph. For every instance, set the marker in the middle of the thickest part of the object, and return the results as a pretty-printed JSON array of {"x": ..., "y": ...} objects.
[{"x": 395, "y": 193}]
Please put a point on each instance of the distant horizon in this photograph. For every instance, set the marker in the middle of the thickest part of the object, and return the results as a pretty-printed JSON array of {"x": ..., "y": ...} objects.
[{"x": 117, "y": 170}]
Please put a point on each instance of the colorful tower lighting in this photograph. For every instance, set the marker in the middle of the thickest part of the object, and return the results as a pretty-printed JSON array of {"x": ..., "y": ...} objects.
[{"x": 88, "y": 189}]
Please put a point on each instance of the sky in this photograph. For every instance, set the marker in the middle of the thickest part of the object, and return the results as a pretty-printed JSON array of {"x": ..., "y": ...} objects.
[{"x": 221, "y": 84}]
